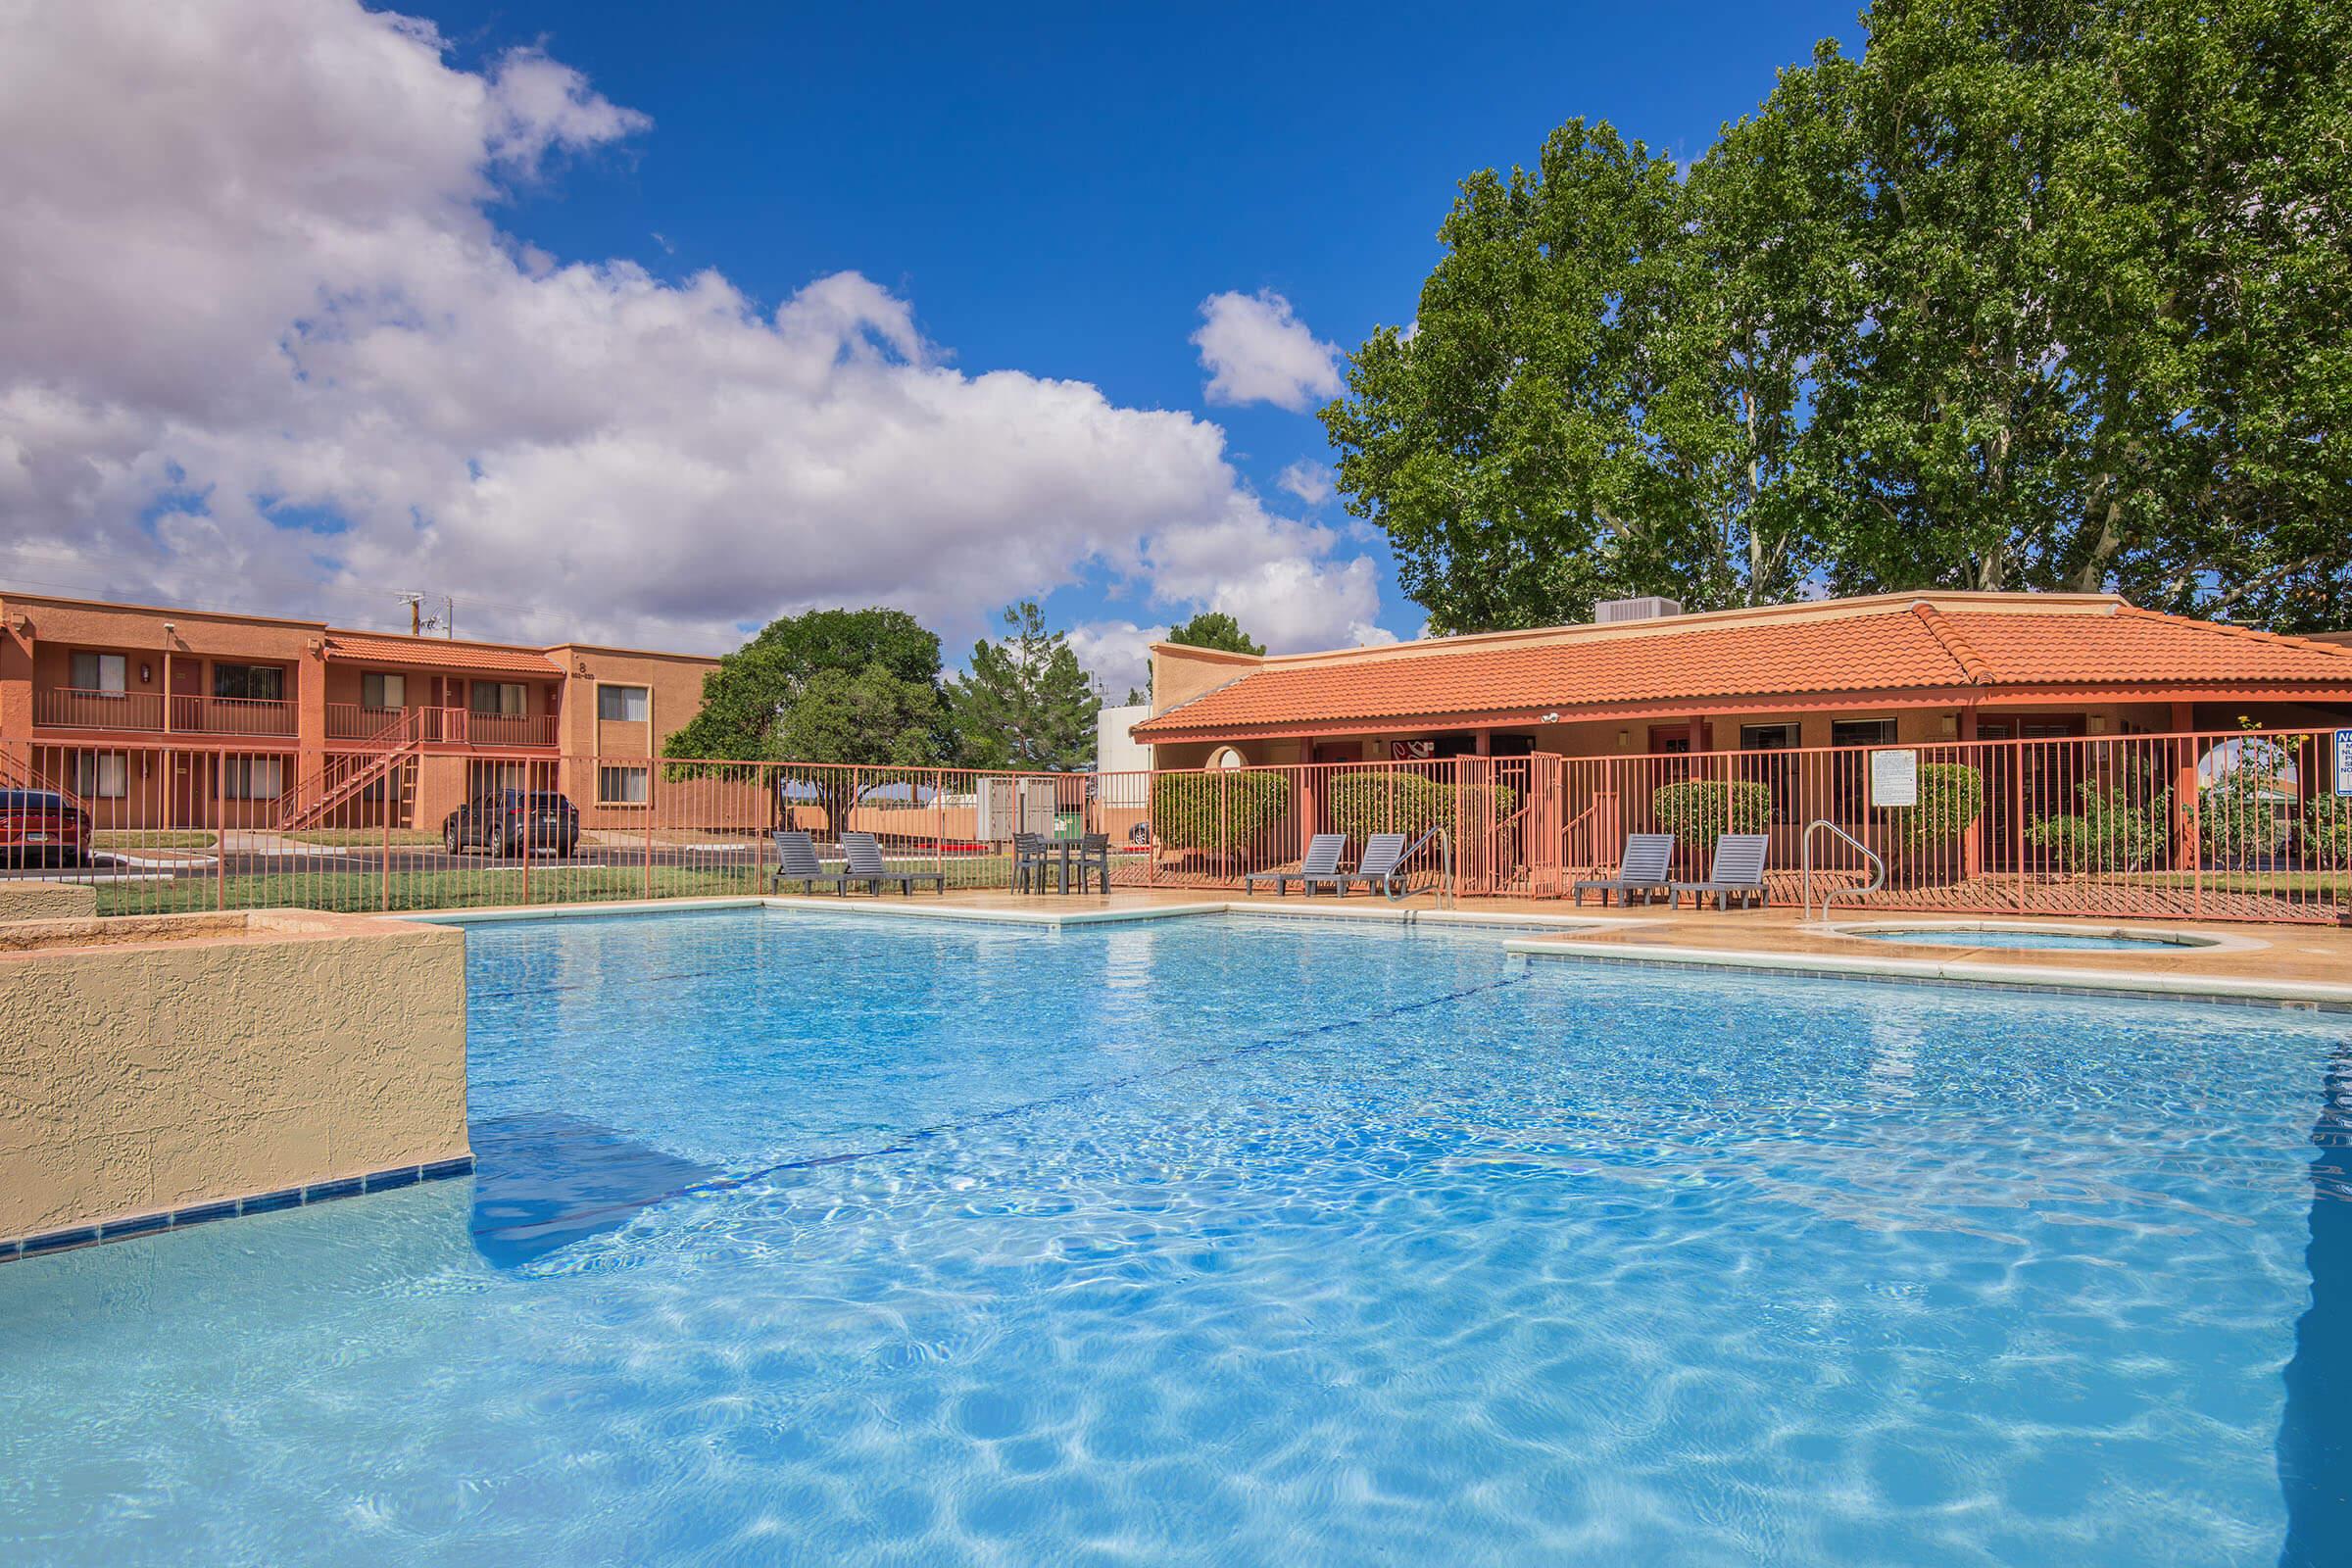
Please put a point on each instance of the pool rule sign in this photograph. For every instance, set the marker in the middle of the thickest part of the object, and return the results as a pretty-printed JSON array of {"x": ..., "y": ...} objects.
[
  {"x": 1893, "y": 778},
  {"x": 2343, "y": 761}
]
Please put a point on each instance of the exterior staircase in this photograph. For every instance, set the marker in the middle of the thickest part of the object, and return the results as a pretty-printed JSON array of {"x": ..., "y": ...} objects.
[{"x": 388, "y": 754}]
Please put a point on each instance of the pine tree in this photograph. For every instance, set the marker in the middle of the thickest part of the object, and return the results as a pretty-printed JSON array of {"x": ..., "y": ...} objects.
[{"x": 1025, "y": 703}]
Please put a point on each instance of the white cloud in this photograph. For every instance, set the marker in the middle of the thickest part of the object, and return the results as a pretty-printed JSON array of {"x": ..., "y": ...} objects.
[
  {"x": 1310, "y": 481},
  {"x": 1116, "y": 652},
  {"x": 1256, "y": 351},
  {"x": 263, "y": 345}
]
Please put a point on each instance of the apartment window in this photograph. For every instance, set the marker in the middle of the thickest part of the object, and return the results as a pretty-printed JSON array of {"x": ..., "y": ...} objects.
[
  {"x": 625, "y": 704},
  {"x": 101, "y": 775},
  {"x": 620, "y": 786},
  {"x": 379, "y": 690},
  {"x": 255, "y": 683},
  {"x": 98, "y": 672},
  {"x": 503, "y": 697},
  {"x": 1850, "y": 767},
  {"x": 1775, "y": 768},
  {"x": 251, "y": 779}
]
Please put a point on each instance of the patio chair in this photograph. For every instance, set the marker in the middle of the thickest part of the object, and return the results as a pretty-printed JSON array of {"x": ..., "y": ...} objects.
[
  {"x": 864, "y": 852},
  {"x": 1094, "y": 853},
  {"x": 1323, "y": 853},
  {"x": 1738, "y": 872},
  {"x": 1029, "y": 863},
  {"x": 1642, "y": 868},
  {"x": 1382, "y": 851},
  {"x": 797, "y": 861}
]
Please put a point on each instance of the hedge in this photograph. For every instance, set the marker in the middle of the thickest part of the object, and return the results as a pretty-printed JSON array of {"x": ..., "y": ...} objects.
[
  {"x": 1362, "y": 804},
  {"x": 2328, "y": 831},
  {"x": 2109, "y": 833},
  {"x": 1224, "y": 813},
  {"x": 1700, "y": 810},
  {"x": 1951, "y": 797}
]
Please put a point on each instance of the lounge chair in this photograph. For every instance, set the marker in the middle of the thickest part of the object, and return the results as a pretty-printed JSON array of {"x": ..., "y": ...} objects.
[
  {"x": 797, "y": 861},
  {"x": 1644, "y": 868},
  {"x": 1382, "y": 851},
  {"x": 1322, "y": 862},
  {"x": 864, "y": 852},
  {"x": 1738, "y": 872}
]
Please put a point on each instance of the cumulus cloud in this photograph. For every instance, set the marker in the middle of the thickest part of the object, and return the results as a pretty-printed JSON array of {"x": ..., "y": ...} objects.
[
  {"x": 1257, "y": 350},
  {"x": 262, "y": 343},
  {"x": 1310, "y": 481},
  {"x": 1117, "y": 654}
]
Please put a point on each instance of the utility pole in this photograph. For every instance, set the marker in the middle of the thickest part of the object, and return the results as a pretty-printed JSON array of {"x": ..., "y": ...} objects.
[{"x": 416, "y": 604}]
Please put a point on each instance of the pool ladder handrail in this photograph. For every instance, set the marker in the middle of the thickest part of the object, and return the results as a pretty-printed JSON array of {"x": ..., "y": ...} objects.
[
  {"x": 1399, "y": 890},
  {"x": 1878, "y": 872}
]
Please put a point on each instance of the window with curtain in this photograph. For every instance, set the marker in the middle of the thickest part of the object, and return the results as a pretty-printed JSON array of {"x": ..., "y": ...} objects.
[
  {"x": 620, "y": 786},
  {"x": 98, "y": 672},
  {"x": 380, "y": 690},
  {"x": 625, "y": 704},
  {"x": 101, "y": 775},
  {"x": 251, "y": 779},
  {"x": 501, "y": 696}
]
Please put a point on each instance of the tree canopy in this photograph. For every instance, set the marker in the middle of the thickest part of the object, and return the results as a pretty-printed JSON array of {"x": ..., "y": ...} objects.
[
  {"x": 2044, "y": 297},
  {"x": 831, "y": 686},
  {"x": 1213, "y": 628},
  {"x": 1025, "y": 703}
]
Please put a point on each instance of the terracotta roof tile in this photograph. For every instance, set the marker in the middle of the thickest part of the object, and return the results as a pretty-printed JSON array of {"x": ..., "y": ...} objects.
[
  {"x": 439, "y": 653},
  {"x": 1920, "y": 647}
]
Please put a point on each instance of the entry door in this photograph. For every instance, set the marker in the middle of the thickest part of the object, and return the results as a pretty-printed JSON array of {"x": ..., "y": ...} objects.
[{"x": 190, "y": 789}]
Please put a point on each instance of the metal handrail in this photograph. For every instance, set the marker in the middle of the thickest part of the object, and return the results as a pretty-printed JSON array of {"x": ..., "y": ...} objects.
[
  {"x": 1395, "y": 885},
  {"x": 1878, "y": 875}
]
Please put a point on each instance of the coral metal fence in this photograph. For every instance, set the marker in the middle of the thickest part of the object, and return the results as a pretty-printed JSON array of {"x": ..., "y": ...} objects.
[{"x": 2243, "y": 826}]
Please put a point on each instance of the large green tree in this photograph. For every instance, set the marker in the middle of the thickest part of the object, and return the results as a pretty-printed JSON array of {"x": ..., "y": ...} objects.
[
  {"x": 1213, "y": 628},
  {"x": 2050, "y": 296},
  {"x": 832, "y": 686},
  {"x": 1025, "y": 703}
]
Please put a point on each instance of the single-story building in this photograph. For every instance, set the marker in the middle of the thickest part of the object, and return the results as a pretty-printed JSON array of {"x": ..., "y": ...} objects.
[{"x": 1890, "y": 669}]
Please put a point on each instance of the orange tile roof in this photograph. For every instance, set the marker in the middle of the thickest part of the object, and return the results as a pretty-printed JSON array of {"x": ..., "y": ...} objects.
[
  {"x": 439, "y": 653},
  {"x": 1956, "y": 646}
]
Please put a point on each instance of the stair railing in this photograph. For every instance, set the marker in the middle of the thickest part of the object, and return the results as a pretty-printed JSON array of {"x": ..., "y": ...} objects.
[{"x": 1877, "y": 871}]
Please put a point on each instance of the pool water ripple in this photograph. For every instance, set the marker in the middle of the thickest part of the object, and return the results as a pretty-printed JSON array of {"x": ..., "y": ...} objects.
[{"x": 1231, "y": 1245}]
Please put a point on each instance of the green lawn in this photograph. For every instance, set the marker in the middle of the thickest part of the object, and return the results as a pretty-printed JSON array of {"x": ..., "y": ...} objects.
[{"x": 132, "y": 840}]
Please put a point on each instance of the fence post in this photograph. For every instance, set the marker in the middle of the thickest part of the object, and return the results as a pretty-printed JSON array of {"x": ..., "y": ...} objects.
[{"x": 647, "y": 867}]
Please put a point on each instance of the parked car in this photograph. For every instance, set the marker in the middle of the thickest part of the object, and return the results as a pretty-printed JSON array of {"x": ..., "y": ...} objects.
[
  {"x": 503, "y": 821},
  {"x": 40, "y": 826}
]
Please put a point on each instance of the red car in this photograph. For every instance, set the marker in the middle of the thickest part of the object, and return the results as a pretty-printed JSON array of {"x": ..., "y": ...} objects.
[{"x": 39, "y": 825}]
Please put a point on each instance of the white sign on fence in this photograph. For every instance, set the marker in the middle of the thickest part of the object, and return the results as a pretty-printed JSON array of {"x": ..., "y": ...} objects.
[
  {"x": 2343, "y": 761},
  {"x": 1893, "y": 778}
]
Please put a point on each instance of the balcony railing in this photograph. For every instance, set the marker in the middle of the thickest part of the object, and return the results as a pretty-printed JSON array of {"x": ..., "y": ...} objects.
[
  {"x": 440, "y": 726},
  {"x": 66, "y": 708}
]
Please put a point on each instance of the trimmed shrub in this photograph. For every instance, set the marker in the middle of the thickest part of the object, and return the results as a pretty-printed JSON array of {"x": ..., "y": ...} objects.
[
  {"x": 1374, "y": 801},
  {"x": 1951, "y": 797},
  {"x": 1221, "y": 813},
  {"x": 2110, "y": 833},
  {"x": 1700, "y": 810}
]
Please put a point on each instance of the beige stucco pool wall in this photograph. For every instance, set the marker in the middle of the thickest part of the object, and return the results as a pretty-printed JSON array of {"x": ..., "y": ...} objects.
[
  {"x": 46, "y": 901},
  {"x": 148, "y": 1064}
]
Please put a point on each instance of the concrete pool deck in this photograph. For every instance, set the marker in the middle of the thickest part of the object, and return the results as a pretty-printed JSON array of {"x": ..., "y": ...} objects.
[{"x": 2293, "y": 964}]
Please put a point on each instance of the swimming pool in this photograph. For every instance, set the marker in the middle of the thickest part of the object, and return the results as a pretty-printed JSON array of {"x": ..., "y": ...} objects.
[
  {"x": 846, "y": 1240},
  {"x": 1994, "y": 936}
]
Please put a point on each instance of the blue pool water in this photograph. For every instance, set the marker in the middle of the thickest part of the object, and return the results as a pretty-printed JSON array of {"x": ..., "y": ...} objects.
[
  {"x": 827, "y": 1240},
  {"x": 1999, "y": 936}
]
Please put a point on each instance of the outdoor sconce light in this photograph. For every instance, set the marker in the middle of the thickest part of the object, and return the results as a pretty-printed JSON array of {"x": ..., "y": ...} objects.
[
  {"x": 146, "y": 673},
  {"x": 1549, "y": 718},
  {"x": 2099, "y": 723},
  {"x": 1625, "y": 738},
  {"x": 1950, "y": 724}
]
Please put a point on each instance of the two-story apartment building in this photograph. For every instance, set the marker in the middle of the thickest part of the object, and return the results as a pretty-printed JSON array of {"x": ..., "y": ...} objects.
[{"x": 158, "y": 717}]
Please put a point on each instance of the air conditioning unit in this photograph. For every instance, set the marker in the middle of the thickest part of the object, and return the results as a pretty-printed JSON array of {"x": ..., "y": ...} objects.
[{"x": 1652, "y": 607}]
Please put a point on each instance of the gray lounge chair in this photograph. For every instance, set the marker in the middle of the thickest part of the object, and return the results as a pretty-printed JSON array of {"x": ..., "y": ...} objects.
[
  {"x": 1737, "y": 873},
  {"x": 797, "y": 861},
  {"x": 1382, "y": 851},
  {"x": 1322, "y": 862},
  {"x": 864, "y": 852},
  {"x": 1644, "y": 868}
]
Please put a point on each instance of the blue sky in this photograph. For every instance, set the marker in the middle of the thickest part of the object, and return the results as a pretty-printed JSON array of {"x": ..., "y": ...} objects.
[{"x": 1049, "y": 190}]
